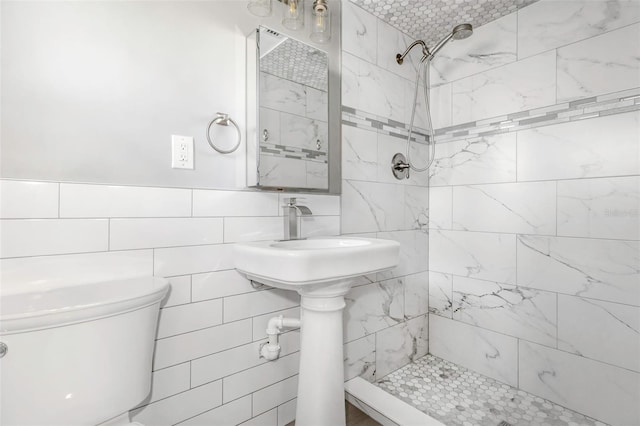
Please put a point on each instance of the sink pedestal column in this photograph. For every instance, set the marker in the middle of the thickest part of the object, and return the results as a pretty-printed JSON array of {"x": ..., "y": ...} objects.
[{"x": 321, "y": 380}]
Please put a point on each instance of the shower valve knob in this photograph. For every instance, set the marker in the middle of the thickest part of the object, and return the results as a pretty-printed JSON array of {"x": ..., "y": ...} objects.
[{"x": 399, "y": 166}]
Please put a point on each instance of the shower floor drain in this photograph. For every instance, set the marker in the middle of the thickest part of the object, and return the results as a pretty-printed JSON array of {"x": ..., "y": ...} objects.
[{"x": 460, "y": 397}]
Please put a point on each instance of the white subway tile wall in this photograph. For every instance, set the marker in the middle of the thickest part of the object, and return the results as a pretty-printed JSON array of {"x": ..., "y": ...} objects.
[
  {"x": 206, "y": 364},
  {"x": 28, "y": 200}
]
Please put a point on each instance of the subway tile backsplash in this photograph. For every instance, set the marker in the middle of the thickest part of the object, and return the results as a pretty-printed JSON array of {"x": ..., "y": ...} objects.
[
  {"x": 37, "y": 237},
  {"x": 28, "y": 200},
  {"x": 214, "y": 320},
  {"x": 81, "y": 200}
]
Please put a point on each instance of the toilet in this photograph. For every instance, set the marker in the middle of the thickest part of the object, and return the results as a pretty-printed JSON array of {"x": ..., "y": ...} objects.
[{"x": 77, "y": 355}]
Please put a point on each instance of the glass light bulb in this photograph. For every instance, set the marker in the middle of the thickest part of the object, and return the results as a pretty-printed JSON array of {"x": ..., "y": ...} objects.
[
  {"x": 321, "y": 30},
  {"x": 294, "y": 15},
  {"x": 260, "y": 8}
]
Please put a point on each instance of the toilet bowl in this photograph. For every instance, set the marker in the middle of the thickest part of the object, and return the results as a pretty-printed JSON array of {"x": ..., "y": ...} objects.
[{"x": 77, "y": 355}]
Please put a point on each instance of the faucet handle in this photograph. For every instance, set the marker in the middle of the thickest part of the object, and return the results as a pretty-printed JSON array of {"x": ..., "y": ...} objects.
[{"x": 291, "y": 201}]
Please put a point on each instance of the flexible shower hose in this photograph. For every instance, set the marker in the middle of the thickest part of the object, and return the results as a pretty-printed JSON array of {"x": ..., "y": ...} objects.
[{"x": 424, "y": 65}]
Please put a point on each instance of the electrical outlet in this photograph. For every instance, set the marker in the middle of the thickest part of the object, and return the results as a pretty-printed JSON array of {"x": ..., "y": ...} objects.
[{"x": 181, "y": 152}]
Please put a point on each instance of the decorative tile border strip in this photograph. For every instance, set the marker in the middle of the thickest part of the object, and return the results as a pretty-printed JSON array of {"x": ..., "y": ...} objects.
[
  {"x": 367, "y": 121},
  {"x": 293, "y": 152},
  {"x": 582, "y": 109}
]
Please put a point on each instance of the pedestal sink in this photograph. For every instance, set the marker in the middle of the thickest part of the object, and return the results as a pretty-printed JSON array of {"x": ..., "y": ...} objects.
[{"x": 321, "y": 270}]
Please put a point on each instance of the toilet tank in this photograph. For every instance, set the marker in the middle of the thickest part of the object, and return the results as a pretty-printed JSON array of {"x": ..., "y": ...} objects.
[{"x": 77, "y": 355}]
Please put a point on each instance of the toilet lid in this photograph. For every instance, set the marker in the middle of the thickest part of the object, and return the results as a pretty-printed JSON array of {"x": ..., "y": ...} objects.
[{"x": 61, "y": 306}]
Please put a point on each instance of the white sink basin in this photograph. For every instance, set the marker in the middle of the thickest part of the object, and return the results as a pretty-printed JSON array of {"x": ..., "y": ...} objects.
[
  {"x": 317, "y": 262},
  {"x": 322, "y": 271}
]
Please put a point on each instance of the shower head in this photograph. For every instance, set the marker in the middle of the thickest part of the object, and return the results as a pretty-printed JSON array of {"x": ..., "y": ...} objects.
[
  {"x": 462, "y": 31},
  {"x": 459, "y": 32}
]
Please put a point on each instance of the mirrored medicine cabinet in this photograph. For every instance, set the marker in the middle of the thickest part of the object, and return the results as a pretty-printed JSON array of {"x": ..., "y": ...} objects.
[{"x": 293, "y": 115}]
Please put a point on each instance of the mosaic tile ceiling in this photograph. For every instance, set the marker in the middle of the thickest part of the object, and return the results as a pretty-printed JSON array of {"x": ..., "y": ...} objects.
[
  {"x": 430, "y": 20},
  {"x": 297, "y": 62}
]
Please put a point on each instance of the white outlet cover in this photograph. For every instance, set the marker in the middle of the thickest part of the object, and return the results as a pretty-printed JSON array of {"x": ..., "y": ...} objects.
[{"x": 182, "y": 152}]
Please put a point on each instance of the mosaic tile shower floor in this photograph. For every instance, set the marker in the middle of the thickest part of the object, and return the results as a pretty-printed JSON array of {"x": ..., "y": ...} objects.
[{"x": 457, "y": 396}]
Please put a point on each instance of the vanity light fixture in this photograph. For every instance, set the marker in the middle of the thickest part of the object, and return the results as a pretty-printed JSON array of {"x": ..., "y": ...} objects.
[
  {"x": 293, "y": 17},
  {"x": 321, "y": 22},
  {"x": 260, "y": 8}
]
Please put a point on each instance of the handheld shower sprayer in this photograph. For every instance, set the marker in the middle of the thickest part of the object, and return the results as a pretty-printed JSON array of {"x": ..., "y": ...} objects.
[
  {"x": 399, "y": 166},
  {"x": 459, "y": 32}
]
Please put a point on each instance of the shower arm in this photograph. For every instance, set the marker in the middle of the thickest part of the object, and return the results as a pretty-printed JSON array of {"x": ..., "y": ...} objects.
[{"x": 425, "y": 51}]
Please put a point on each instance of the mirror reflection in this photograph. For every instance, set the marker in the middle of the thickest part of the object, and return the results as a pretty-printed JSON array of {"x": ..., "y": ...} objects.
[{"x": 293, "y": 130}]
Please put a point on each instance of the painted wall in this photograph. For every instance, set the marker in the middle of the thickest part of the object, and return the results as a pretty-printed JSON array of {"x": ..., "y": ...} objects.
[
  {"x": 106, "y": 84},
  {"x": 534, "y": 205}
]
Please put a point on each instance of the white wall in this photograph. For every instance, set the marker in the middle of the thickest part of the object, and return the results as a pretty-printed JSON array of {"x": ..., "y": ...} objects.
[
  {"x": 534, "y": 205},
  {"x": 105, "y": 84},
  {"x": 80, "y": 123}
]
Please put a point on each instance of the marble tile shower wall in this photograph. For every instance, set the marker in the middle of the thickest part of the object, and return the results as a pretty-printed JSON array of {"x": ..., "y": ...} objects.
[
  {"x": 206, "y": 365},
  {"x": 294, "y": 117},
  {"x": 386, "y": 322},
  {"x": 534, "y": 224}
]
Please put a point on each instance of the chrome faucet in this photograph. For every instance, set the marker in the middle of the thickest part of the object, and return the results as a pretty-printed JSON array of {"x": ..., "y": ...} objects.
[{"x": 290, "y": 214}]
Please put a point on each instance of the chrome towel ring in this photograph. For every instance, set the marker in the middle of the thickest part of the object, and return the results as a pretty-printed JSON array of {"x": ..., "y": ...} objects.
[{"x": 223, "y": 120}]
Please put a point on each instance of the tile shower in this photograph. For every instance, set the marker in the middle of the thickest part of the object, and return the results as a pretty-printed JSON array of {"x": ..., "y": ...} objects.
[
  {"x": 528, "y": 219},
  {"x": 533, "y": 201}
]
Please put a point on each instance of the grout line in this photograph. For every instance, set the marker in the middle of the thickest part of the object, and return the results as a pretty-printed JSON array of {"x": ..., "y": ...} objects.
[
  {"x": 557, "y": 320},
  {"x": 516, "y": 160},
  {"x": 473, "y": 231},
  {"x": 451, "y": 218},
  {"x": 555, "y": 59},
  {"x": 253, "y": 413},
  {"x": 59, "y": 198},
  {"x": 192, "y": 203},
  {"x": 222, "y": 300},
  {"x": 556, "y": 199},
  {"x": 516, "y": 240},
  {"x": 518, "y": 364},
  {"x": 517, "y": 12},
  {"x": 625, "y": 176}
]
